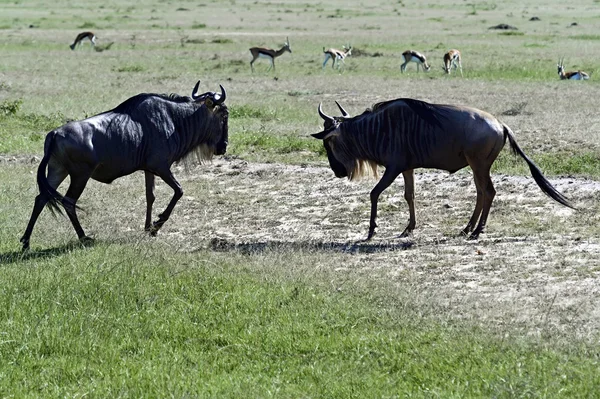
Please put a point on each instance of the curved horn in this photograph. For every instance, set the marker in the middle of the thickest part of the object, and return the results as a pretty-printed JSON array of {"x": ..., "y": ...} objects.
[
  {"x": 323, "y": 115},
  {"x": 342, "y": 110},
  {"x": 195, "y": 90},
  {"x": 222, "y": 97}
]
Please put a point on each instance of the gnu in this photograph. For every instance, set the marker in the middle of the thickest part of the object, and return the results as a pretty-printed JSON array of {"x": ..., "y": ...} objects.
[
  {"x": 147, "y": 132},
  {"x": 405, "y": 134}
]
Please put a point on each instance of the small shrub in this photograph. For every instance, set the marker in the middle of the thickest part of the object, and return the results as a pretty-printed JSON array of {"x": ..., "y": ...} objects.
[
  {"x": 9, "y": 107},
  {"x": 221, "y": 40},
  {"x": 198, "y": 26},
  {"x": 87, "y": 25},
  {"x": 512, "y": 33},
  {"x": 248, "y": 111},
  {"x": 131, "y": 68}
]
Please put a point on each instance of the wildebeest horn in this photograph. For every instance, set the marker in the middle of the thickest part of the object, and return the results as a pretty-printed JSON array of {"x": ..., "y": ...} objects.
[
  {"x": 195, "y": 90},
  {"x": 342, "y": 110},
  {"x": 322, "y": 114},
  {"x": 222, "y": 96}
]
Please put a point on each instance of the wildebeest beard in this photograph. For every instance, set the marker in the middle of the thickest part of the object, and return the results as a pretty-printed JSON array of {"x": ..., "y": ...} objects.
[{"x": 204, "y": 153}]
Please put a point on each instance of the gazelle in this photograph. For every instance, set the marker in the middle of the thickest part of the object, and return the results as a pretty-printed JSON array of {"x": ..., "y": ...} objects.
[
  {"x": 572, "y": 75},
  {"x": 337, "y": 56},
  {"x": 270, "y": 54},
  {"x": 451, "y": 59},
  {"x": 416, "y": 57},
  {"x": 82, "y": 36}
]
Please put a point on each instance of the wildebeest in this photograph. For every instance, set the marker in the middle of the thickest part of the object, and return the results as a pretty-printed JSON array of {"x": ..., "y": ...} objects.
[
  {"x": 405, "y": 134},
  {"x": 147, "y": 132}
]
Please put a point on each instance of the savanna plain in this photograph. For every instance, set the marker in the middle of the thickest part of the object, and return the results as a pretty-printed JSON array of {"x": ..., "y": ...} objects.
[{"x": 260, "y": 284}]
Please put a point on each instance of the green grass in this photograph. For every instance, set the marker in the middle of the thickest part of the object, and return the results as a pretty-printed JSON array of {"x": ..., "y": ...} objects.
[
  {"x": 561, "y": 162},
  {"x": 177, "y": 317},
  {"x": 145, "y": 321},
  {"x": 23, "y": 132}
]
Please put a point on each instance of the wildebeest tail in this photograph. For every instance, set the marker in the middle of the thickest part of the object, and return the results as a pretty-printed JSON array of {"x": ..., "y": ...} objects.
[
  {"x": 539, "y": 178},
  {"x": 46, "y": 190}
]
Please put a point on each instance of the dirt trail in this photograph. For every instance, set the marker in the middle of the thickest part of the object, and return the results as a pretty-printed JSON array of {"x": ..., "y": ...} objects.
[{"x": 538, "y": 264}]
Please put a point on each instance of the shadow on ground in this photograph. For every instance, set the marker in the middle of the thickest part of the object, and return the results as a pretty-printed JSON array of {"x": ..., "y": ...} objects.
[
  {"x": 20, "y": 256},
  {"x": 223, "y": 245}
]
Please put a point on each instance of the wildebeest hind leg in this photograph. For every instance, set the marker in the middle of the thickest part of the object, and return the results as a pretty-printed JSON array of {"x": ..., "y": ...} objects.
[
  {"x": 388, "y": 177},
  {"x": 178, "y": 193},
  {"x": 409, "y": 196},
  {"x": 149, "y": 199},
  {"x": 476, "y": 212},
  {"x": 489, "y": 192},
  {"x": 55, "y": 177}
]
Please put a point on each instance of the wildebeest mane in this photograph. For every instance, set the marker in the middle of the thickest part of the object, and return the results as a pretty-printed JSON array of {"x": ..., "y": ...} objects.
[
  {"x": 131, "y": 103},
  {"x": 424, "y": 110}
]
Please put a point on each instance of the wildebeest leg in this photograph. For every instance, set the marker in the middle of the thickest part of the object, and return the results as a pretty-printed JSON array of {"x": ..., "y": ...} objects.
[
  {"x": 388, "y": 177},
  {"x": 484, "y": 181},
  {"x": 178, "y": 193},
  {"x": 477, "y": 211},
  {"x": 76, "y": 187},
  {"x": 409, "y": 195},
  {"x": 149, "y": 199},
  {"x": 55, "y": 177}
]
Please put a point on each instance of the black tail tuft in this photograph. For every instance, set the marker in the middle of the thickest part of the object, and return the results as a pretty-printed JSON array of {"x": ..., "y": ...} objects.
[
  {"x": 539, "y": 178},
  {"x": 46, "y": 190}
]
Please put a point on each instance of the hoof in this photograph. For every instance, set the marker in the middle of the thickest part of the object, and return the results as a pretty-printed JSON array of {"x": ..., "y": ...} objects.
[
  {"x": 406, "y": 233},
  {"x": 85, "y": 241},
  {"x": 25, "y": 242},
  {"x": 473, "y": 237}
]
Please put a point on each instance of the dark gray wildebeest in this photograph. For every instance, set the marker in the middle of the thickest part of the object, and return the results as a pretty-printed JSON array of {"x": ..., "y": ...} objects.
[
  {"x": 147, "y": 132},
  {"x": 405, "y": 134}
]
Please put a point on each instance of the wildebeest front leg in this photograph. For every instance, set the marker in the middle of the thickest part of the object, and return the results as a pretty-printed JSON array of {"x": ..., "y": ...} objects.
[
  {"x": 149, "y": 199},
  {"x": 178, "y": 193},
  {"x": 389, "y": 176},
  {"x": 409, "y": 196}
]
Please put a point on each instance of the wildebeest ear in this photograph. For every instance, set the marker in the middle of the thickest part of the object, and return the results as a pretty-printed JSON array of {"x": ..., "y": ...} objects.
[{"x": 324, "y": 134}]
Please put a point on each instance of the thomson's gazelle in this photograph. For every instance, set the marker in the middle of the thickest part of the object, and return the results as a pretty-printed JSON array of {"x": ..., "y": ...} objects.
[
  {"x": 416, "y": 57},
  {"x": 572, "y": 75},
  {"x": 452, "y": 61},
  {"x": 270, "y": 54},
  {"x": 82, "y": 36},
  {"x": 336, "y": 55}
]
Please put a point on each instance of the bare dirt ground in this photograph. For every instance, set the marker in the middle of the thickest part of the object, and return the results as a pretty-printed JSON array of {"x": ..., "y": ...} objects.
[{"x": 537, "y": 267}]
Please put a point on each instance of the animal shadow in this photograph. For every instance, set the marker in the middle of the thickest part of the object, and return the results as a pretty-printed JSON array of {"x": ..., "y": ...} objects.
[
  {"x": 20, "y": 256},
  {"x": 223, "y": 245}
]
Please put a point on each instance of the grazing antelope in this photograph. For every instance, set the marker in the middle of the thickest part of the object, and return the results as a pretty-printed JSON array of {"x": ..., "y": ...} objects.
[
  {"x": 270, "y": 54},
  {"x": 82, "y": 36},
  {"x": 405, "y": 134},
  {"x": 416, "y": 57},
  {"x": 452, "y": 61},
  {"x": 337, "y": 56},
  {"x": 573, "y": 75}
]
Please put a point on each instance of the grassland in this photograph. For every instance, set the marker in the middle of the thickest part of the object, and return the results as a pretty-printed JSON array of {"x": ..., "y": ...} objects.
[{"x": 259, "y": 285}]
